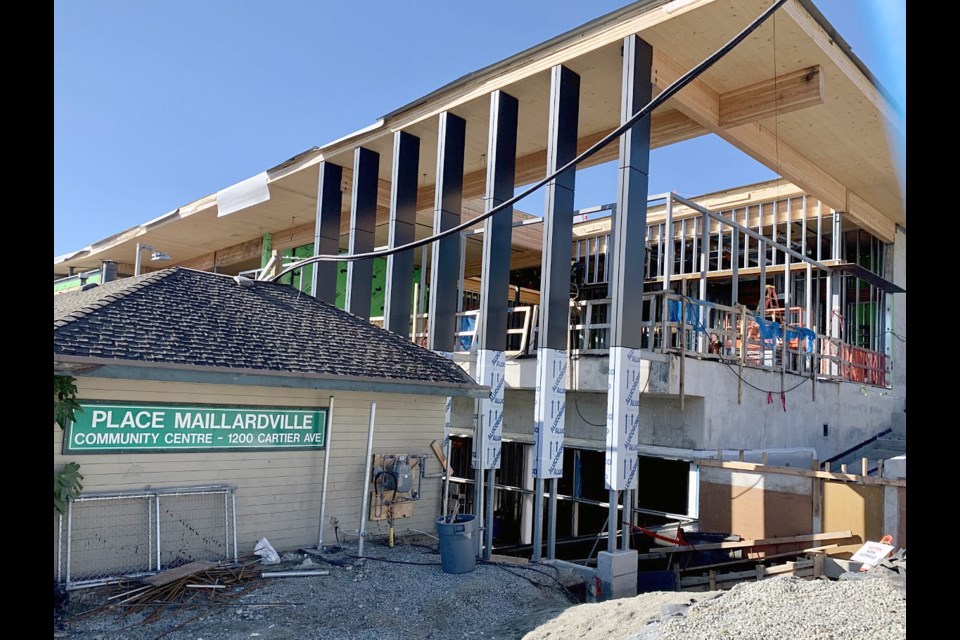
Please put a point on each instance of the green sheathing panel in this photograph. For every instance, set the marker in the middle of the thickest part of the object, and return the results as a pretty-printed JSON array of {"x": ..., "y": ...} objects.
[
  {"x": 304, "y": 277},
  {"x": 267, "y": 249},
  {"x": 73, "y": 282}
]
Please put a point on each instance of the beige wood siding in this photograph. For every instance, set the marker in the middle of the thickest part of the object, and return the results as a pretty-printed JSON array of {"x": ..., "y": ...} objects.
[{"x": 277, "y": 492}]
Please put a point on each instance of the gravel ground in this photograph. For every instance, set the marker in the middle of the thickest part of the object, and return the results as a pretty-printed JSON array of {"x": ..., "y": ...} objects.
[
  {"x": 789, "y": 607},
  {"x": 359, "y": 600}
]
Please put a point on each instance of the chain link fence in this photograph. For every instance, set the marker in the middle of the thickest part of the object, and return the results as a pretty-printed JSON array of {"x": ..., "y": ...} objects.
[{"x": 104, "y": 536}]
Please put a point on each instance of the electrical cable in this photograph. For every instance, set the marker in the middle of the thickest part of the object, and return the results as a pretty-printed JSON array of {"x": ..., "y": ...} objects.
[
  {"x": 576, "y": 405},
  {"x": 509, "y": 569},
  {"x": 644, "y": 112},
  {"x": 336, "y": 534}
]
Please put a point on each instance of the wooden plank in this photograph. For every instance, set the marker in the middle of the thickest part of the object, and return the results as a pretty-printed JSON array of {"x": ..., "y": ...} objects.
[
  {"x": 796, "y": 471},
  {"x": 732, "y": 563},
  {"x": 172, "y": 575},
  {"x": 441, "y": 458},
  {"x": 801, "y": 568},
  {"x": 813, "y": 537}
]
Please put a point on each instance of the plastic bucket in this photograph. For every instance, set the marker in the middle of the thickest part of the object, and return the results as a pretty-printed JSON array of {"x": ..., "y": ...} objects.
[{"x": 458, "y": 544}]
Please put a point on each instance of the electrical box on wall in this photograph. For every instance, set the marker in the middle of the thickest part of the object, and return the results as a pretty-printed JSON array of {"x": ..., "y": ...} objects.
[{"x": 397, "y": 479}]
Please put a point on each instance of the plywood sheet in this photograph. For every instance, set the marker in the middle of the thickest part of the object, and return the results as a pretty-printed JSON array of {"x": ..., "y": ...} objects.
[
  {"x": 753, "y": 512},
  {"x": 858, "y": 508}
]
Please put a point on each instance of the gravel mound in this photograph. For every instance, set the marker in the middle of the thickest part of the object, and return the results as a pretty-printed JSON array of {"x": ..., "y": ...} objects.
[
  {"x": 615, "y": 618},
  {"x": 789, "y": 607}
]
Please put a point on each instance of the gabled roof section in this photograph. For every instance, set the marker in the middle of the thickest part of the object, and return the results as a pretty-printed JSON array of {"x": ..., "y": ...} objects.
[{"x": 193, "y": 319}]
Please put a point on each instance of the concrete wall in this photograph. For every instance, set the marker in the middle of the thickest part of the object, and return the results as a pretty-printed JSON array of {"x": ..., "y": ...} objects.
[
  {"x": 712, "y": 418},
  {"x": 852, "y": 412},
  {"x": 897, "y": 273},
  {"x": 277, "y": 492}
]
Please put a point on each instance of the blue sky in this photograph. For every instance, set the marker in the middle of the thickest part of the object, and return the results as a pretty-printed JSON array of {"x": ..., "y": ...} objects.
[{"x": 157, "y": 104}]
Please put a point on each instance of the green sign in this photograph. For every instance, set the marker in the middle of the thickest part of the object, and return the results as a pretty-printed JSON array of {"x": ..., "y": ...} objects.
[{"x": 107, "y": 427}]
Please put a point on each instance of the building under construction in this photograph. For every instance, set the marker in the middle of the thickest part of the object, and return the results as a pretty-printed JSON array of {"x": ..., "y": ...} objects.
[{"x": 623, "y": 344}]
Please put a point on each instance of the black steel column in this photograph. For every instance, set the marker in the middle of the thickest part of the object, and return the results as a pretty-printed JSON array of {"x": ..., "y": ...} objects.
[
  {"x": 448, "y": 201},
  {"x": 363, "y": 225},
  {"x": 494, "y": 284},
  {"x": 497, "y": 231},
  {"x": 403, "y": 220},
  {"x": 326, "y": 239},
  {"x": 626, "y": 279},
  {"x": 550, "y": 402}
]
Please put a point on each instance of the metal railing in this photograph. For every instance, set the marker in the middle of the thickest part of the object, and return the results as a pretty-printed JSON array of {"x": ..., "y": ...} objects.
[
  {"x": 520, "y": 323},
  {"x": 737, "y": 335}
]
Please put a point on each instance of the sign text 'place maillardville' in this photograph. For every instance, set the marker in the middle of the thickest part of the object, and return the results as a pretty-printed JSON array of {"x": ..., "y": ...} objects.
[{"x": 101, "y": 427}]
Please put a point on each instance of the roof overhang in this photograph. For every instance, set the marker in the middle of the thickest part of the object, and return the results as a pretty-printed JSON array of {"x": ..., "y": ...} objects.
[
  {"x": 161, "y": 372},
  {"x": 833, "y": 143}
]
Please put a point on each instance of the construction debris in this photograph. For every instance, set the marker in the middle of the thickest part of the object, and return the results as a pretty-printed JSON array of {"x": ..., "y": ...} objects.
[
  {"x": 195, "y": 584},
  {"x": 171, "y": 575}
]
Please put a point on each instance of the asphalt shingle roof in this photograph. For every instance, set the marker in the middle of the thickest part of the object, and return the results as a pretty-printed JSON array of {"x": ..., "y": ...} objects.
[{"x": 182, "y": 316}]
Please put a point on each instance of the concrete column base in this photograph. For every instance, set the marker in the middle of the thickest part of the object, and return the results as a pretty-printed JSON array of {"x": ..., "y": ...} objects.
[{"x": 618, "y": 574}]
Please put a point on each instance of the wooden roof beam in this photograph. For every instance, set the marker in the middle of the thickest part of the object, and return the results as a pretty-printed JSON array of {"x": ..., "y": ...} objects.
[{"x": 765, "y": 99}]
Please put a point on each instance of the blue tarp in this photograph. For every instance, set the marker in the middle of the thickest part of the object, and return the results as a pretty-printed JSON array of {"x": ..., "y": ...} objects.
[
  {"x": 692, "y": 312},
  {"x": 771, "y": 331}
]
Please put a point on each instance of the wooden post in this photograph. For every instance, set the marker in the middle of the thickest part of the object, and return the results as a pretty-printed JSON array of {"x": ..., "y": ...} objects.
[
  {"x": 683, "y": 339},
  {"x": 759, "y": 572},
  {"x": 818, "y": 565},
  {"x": 817, "y": 499},
  {"x": 740, "y": 455},
  {"x": 864, "y": 466},
  {"x": 813, "y": 370},
  {"x": 843, "y": 469},
  {"x": 880, "y": 468},
  {"x": 826, "y": 466},
  {"x": 743, "y": 351},
  {"x": 763, "y": 459},
  {"x": 713, "y": 580}
]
